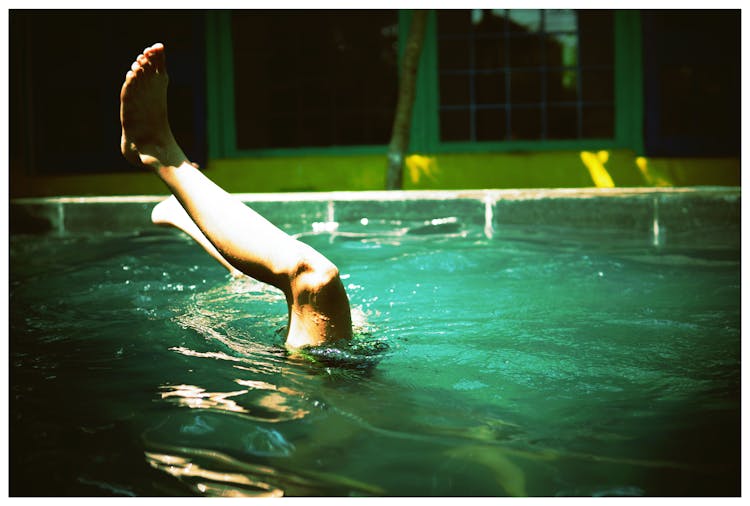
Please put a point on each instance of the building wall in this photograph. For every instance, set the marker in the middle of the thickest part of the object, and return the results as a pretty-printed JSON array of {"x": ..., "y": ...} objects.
[
  {"x": 566, "y": 169},
  {"x": 621, "y": 161}
]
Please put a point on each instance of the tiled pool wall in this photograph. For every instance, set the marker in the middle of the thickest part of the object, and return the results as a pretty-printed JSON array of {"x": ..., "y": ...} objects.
[{"x": 653, "y": 213}]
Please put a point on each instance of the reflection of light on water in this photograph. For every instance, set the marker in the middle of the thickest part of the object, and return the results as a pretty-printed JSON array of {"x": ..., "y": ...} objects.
[
  {"x": 213, "y": 473},
  {"x": 195, "y": 397},
  {"x": 222, "y": 483},
  {"x": 275, "y": 401},
  {"x": 205, "y": 354}
]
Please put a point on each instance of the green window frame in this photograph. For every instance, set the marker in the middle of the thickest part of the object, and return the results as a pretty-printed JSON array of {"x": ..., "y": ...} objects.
[{"x": 425, "y": 131}]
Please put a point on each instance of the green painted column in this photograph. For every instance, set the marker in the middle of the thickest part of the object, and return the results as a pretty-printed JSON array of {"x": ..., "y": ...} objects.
[
  {"x": 629, "y": 81},
  {"x": 220, "y": 85}
]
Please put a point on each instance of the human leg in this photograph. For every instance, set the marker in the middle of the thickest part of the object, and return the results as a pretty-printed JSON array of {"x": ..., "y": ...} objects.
[
  {"x": 318, "y": 305},
  {"x": 169, "y": 212}
]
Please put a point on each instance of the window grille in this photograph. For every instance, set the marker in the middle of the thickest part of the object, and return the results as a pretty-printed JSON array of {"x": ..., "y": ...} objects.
[
  {"x": 314, "y": 79},
  {"x": 508, "y": 75}
]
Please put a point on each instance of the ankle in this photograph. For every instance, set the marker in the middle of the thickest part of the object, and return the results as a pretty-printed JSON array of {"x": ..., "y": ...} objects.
[
  {"x": 167, "y": 169},
  {"x": 159, "y": 158}
]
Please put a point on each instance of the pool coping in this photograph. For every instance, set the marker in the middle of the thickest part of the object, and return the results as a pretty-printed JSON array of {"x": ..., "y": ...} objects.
[
  {"x": 650, "y": 211},
  {"x": 480, "y": 194}
]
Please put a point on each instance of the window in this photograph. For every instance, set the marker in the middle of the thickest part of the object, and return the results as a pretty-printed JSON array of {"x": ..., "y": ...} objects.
[
  {"x": 692, "y": 82},
  {"x": 314, "y": 79},
  {"x": 66, "y": 70},
  {"x": 507, "y": 75}
]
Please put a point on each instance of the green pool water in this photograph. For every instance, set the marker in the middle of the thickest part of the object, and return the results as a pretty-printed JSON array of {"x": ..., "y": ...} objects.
[{"x": 540, "y": 362}]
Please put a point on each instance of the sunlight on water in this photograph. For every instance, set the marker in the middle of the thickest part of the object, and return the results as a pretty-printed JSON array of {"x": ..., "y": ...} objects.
[{"x": 501, "y": 362}]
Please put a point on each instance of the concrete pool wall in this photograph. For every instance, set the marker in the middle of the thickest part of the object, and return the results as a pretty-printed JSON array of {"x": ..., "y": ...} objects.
[{"x": 647, "y": 211}]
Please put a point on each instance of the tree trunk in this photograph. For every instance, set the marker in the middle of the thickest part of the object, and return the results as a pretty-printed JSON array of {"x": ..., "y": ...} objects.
[{"x": 406, "y": 90}]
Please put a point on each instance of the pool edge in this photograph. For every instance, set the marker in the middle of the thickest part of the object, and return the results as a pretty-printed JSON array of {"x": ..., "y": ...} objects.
[{"x": 646, "y": 210}]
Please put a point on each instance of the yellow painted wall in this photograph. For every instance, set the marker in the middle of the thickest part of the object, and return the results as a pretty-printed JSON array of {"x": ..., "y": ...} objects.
[{"x": 561, "y": 169}]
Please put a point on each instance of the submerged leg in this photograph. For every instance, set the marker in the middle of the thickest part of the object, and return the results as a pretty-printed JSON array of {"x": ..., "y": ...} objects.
[{"x": 318, "y": 305}]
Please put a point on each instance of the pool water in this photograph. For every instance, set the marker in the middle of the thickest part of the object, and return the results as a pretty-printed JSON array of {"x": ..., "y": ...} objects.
[{"x": 538, "y": 362}]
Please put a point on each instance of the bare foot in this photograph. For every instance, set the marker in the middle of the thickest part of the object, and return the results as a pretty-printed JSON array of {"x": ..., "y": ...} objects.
[{"x": 146, "y": 136}]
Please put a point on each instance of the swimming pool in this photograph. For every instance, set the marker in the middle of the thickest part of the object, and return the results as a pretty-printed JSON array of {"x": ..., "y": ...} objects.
[{"x": 523, "y": 360}]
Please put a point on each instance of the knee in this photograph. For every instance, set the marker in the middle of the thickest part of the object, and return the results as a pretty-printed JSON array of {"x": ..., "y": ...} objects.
[{"x": 314, "y": 275}]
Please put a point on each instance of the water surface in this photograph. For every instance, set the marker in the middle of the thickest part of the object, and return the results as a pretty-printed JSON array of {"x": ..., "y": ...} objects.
[{"x": 533, "y": 363}]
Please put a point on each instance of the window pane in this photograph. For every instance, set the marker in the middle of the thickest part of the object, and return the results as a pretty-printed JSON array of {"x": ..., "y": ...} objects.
[
  {"x": 454, "y": 126},
  {"x": 490, "y": 125},
  {"x": 317, "y": 97},
  {"x": 525, "y": 87},
  {"x": 63, "y": 125},
  {"x": 693, "y": 97},
  {"x": 562, "y": 86},
  {"x": 454, "y": 21},
  {"x": 355, "y": 135},
  {"x": 598, "y": 122},
  {"x": 561, "y": 50},
  {"x": 598, "y": 86},
  {"x": 560, "y": 20},
  {"x": 525, "y": 52},
  {"x": 488, "y": 21},
  {"x": 562, "y": 122},
  {"x": 526, "y": 66},
  {"x": 454, "y": 54},
  {"x": 596, "y": 31},
  {"x": 380, "y": 124},
  {"x": 282, "y": 131},
  {"x": 490, "y": 89},
  {"x": 284, "y": 98},
  {"x": 316, "y": 129},
  {"x": 323, "y": 66},
  {"x": 489, "y": 54},
  {"x": 454, "y": 90},
  {"x": 526, "y": 124},
  {"x": 522, "y": 20}
]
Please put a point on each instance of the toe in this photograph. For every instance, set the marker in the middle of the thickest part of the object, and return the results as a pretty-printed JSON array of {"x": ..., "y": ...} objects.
[
  {"x": 129, "y": 82},
  {"x": 157, "y": 56},
  {"x": 145, "y": 63}
]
